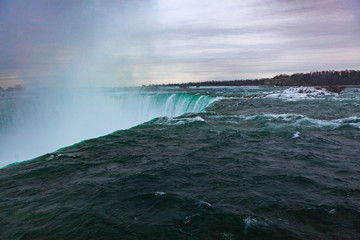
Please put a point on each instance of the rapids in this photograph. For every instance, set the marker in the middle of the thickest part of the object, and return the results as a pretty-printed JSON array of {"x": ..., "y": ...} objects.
[{"x": 197, "y": 163}]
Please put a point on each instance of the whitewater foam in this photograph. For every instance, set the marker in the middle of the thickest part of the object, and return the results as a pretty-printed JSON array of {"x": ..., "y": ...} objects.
[
  {"x": 332, "y": 211},
  {"x": 203, "y": 203},
  {"x": 283, "y": 116},
  {"x": 296, "y": 135},
  {"x": 251, "y": 222},
  {"x": 189, "y": 218},
  {"x": 178, "y": 121},
  {"x": 295, "y": 93},
  {"x": 349, "y": 121},
  {"x": 228, "y": 236},
  {"x": 159, "y": 193},
  {"x": 296, "y": 120}
]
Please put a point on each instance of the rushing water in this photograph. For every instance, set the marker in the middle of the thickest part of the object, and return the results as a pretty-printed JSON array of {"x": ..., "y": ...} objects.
[
  {"x": 259, "y": 163},
  {"x": 38, "y": 122}
]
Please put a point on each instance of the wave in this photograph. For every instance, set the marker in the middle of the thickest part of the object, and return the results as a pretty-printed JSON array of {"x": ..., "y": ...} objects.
[
  {"x": 296, "y": 120},
  {"x": 32, "y": 124},
  {"x": 177, "y": 121},
  {"x": 253, "y": 222},
  {"x": 296, "y": 135}
]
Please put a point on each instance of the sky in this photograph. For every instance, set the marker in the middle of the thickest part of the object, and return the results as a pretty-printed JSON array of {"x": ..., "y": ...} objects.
[{"x": 93, "y": 43}]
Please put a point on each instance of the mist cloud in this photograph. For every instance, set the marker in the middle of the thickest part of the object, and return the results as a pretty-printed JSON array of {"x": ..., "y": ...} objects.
[{"x": 62, "y": 42}]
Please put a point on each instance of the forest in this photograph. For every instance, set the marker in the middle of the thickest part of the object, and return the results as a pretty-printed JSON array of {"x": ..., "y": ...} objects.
[
  {"x": 318, "y": 78},
  {"x": 10, "y": 89}
]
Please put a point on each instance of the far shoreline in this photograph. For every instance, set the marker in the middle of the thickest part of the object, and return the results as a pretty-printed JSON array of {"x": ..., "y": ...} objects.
[{"x": 345, "y": 78}]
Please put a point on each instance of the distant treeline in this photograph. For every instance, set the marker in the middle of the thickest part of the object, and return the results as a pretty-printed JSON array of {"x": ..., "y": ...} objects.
[
  {"x": 16, "y": 88},
  {"x": 346, "y": 77}
]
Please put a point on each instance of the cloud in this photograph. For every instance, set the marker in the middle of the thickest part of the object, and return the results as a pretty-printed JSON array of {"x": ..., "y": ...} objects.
[
  {"x": 106, "y": 43},
  {"x": 261, "y": 37}
]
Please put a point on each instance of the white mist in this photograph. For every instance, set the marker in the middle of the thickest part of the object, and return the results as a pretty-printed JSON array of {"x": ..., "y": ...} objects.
[{"x": 38, "y": 122}]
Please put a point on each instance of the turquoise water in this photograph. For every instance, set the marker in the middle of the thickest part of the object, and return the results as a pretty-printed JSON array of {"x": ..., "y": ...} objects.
[
  {"x": 207, "y": 163},
  {"x": 33, "y": 123}
]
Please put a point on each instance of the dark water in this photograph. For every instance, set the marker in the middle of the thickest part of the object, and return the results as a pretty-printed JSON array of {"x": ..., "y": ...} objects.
[{"x": 275, "y": 167}]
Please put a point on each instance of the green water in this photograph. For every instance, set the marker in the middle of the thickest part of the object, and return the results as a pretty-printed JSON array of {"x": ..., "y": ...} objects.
[{"x": 252, "y": 166}]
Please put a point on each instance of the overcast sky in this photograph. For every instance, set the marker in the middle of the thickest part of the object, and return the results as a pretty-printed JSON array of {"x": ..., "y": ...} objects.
[{"x": 120, "y": 43}]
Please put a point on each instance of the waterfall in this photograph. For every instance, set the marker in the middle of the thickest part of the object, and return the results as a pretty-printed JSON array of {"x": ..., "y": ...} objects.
[{"x": 38, "y": 122}]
